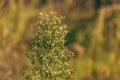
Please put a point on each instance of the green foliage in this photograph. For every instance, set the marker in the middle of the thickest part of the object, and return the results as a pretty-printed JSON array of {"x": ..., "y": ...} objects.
[{"x": 47, "y": 51}]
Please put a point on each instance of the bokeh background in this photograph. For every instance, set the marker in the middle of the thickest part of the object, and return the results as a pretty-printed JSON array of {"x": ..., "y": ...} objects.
[{"x": 94, "y": 36}]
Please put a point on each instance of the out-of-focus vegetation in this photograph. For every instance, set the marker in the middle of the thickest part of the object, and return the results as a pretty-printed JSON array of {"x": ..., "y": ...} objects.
[{"x": 94, "y": 36}]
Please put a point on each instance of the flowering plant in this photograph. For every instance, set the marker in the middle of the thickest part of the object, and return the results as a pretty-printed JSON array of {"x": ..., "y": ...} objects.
[{"x": 47, "y": 51}]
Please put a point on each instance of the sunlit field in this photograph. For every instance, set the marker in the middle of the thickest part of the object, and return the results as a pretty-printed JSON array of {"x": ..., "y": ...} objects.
[{"x": 93, "y": 36}]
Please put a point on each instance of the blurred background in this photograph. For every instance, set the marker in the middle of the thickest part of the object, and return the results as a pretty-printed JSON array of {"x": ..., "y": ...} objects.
[{"x": 94, "y": 36}]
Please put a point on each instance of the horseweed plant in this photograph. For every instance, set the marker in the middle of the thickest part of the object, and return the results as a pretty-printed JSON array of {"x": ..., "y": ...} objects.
[{"x": 47, "y": 51}]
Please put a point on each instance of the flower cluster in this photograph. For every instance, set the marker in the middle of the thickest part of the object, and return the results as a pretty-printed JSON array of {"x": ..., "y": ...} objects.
[{"x": 47, "y": 51}]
